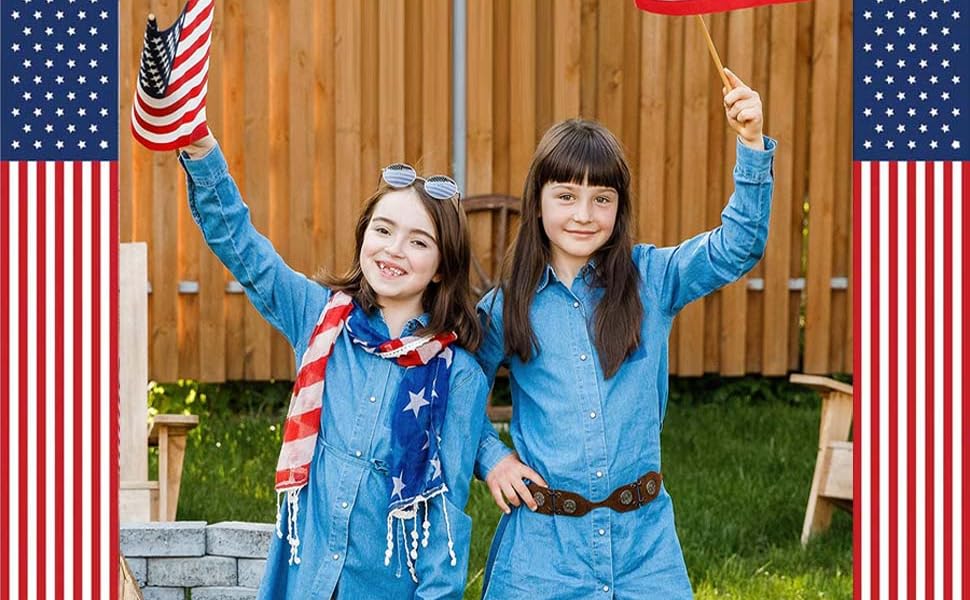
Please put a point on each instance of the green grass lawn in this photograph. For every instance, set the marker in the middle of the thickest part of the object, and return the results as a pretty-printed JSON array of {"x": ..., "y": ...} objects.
[{"x": 737, "y": 462}]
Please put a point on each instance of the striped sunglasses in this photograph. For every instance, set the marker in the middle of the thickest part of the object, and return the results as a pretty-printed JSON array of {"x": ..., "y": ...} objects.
[{"x": 401, "y": 175}]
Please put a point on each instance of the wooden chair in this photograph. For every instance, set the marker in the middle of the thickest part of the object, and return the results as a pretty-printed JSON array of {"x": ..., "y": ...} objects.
[
  {"x": 127, "y": 585},
  {"x": 140, "y": 499},
  {"x": 498, "y": 214},
  {"x": 832, "y": 483}
]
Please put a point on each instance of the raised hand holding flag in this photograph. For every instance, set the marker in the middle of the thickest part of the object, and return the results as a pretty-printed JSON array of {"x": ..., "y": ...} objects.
[{"x": 169, "y": 107}]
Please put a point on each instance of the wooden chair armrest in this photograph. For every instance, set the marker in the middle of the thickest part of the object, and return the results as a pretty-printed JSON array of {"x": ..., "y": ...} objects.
[
  {"x": 174, "y": 424},
  {"x": 820, "y": 384}
]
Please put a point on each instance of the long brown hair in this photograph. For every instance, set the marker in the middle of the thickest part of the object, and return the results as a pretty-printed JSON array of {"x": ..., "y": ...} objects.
[
  {"x": 449, "y": 301},
  {"x": 576, "y": 151}
]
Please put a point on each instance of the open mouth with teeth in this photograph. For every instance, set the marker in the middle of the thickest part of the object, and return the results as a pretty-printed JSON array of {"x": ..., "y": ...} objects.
[{"x": 389, "y": 270}]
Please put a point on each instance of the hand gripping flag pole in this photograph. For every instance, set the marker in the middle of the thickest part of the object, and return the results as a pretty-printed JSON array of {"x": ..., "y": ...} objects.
[
  {"x": 701, "y": 7},
  {"x": 169, "y": 107}
]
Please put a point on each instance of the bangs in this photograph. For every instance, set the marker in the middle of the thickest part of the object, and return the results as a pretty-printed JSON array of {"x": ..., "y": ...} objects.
[{"x": 584, "y": 155}]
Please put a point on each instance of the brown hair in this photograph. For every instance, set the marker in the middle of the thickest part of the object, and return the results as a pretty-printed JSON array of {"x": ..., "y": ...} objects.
[
  {"x": 449, "y": 301},
  {"x": 576, "y": 151}
]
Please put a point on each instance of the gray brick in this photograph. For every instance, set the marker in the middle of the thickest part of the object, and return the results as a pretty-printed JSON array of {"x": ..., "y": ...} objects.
[
  {"x": 163, "y": 593},
  {"x": 223, "y": 593},
  {"x": 251, "y": 571},
  {"x": 139, "y": 569},
  {"x": 244, "y": 540},
  {"x": 177, "y": 538},
  {"x": 191, "y": 572}
]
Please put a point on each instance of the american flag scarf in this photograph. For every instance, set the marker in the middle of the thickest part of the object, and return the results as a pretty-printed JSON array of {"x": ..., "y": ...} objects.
[
  {"x": 415, "y": 472},
  {"x": 169, "y": 108}
]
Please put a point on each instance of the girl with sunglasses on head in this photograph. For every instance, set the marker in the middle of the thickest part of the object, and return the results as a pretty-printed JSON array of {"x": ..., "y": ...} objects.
[
  {"x": 374, "y": 470},
  {"x": 581, "y": 320}
]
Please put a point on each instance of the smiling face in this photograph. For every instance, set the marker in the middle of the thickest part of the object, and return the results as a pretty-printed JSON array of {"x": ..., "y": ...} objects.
[
  {"x": 399, "y": 255},
  {"x": 578, "y": 219}
]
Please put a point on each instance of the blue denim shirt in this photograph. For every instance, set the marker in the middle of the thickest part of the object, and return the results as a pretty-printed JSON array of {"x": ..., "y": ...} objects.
[
  {"x": 588, "y": 434},
  {"x": 342, "y": 521}
]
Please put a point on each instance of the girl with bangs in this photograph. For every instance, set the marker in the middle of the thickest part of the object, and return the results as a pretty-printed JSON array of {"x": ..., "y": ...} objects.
[
  {"x": 374, "y": 471},
  {"x": 582, "y": 319}
]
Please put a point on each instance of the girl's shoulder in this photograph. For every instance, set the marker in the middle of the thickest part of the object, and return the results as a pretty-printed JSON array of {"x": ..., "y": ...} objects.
[
  {"x": 465, "y": 369},
  {"x": 491, "y": 303}
]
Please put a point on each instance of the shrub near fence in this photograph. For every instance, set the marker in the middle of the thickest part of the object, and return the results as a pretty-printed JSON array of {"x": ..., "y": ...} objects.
[{"x": 310, "y": 98}]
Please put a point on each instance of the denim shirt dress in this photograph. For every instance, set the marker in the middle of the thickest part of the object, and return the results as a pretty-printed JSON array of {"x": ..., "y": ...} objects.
[
  {"x": 342, "y": 518},
  {"x": 588, "y": 434}
]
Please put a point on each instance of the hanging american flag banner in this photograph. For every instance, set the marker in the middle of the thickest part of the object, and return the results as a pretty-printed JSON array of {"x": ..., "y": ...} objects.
[
  {"x": 169, "y": 107},
  {"x": 911, "y": 138},
  {"x": 701, "y": 7},
  {"x": 59, "y": 223}
]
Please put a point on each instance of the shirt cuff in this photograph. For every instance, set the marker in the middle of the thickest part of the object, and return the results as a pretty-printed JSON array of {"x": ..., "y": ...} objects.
[
  {"x": 207, "y": 170},
  {"x": 755, "y": 166},
  {"x": 490, "y": 453}
]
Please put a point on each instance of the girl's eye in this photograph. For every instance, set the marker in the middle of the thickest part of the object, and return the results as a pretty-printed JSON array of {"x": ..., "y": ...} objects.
[
  {"x": 420, "y": 243},
  {"x": 382, "y": 230},
  {"x": 565, "y": 197},
  {"x": 604, "y": 199}
]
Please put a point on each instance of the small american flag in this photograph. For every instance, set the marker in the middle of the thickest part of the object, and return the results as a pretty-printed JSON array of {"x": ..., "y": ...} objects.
[
  {"x": 911, "y": 143},
  {"x": 169, "y": 107},
  {"x": 58, "y": 268},
  {"x": 701, "y": 7}
]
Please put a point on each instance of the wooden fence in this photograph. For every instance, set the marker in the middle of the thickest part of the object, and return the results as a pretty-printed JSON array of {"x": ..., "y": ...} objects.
[{"x": 310, "y": 98}]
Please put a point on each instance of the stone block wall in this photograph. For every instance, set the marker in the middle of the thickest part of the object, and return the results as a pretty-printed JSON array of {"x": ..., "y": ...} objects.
[{"x": 223, "y": 561}]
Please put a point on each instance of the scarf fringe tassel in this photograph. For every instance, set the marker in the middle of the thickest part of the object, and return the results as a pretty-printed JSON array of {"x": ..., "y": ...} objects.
[
  {"x": 411, "y": 512},
  {"x": 293, "y": 510}
]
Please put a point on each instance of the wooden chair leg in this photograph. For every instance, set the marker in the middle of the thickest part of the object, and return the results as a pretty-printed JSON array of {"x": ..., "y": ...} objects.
[
  {"x": 163, "y": 480},
  {"x": 176, "y": 456},
  {"x": 818, "y": 513}
]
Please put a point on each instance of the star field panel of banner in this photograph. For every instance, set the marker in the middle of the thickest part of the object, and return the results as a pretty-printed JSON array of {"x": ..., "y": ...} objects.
[
  {"x": 911, "y": 138},
  {"x": 58, "y": 270}
]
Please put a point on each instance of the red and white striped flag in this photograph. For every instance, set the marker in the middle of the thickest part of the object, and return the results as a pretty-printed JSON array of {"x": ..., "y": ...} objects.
[
  {"x": 58, "y": 268},
  {"x": 169, "y": 107},
  {"x": 911, "y": 175}
]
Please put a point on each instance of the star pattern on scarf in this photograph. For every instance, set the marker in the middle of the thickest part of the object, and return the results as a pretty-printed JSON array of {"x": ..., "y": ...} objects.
[
  {"x": 436, "y": 463},
  {"x": 416, "y": 402},
  {"x": 398, "y": 485}
]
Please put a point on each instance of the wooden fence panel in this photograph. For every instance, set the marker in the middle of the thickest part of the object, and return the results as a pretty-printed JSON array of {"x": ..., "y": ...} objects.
[{"x": 309, "y": 99}]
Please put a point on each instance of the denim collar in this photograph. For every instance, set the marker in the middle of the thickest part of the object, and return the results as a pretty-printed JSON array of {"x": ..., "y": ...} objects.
[
  {"x": 549, "y": 275},
  {"x": 377, "y": 320}
]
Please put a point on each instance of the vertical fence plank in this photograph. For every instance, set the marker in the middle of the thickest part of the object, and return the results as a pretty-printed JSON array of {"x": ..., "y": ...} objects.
[
  {"x": 391, "y": 21},
  {"x": 734, "y": 305},
  {"x": 436, "y": 83},
  {"x": 347, "y": 141},
  {"x": 522, "y": 90},
  {"x": 779, "y": 123},
  {"x": 371, "y": 89},
  {"x": 131, "y": 13},
  {"x": 609, "y": 63},
  {"x": 693, "y": 196},
  {"x": 480, "y": 155},
  {"x": 278, "y": 50},
  {"x": 502, "y": 103},
  {"x": 324, "y": 168},
  {"x": 566, "y": 58},
  {"x": 631, "y": 87},
  {"x": 840, "y": 349},
  {"x": 672, "y": 198},
  {"x": 654, "y": 107},
  {"x": 212, "y": 323},
  {"x": 821, "y": 187},
  {"x": 256, "y": 135}
]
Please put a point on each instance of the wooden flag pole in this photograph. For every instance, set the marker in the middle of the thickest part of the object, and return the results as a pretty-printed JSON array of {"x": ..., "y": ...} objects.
[{"x": 717, "y": 59}]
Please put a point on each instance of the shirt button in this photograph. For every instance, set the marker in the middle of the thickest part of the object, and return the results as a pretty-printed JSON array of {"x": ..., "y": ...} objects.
[
  {"x": 357, "y": 454},
  {"x": 582, "y": 357},
  {"x": 599, "y": 473},
  {"x": 606, "y": 588},
  {"x": 575, "y": 304},
  {"x": 344, "y": 505},
  {"x": 592, "y": 415},
  {"x": 372, "y": 399},
  {"x": 602, "y": 532},
  {"x": 336, "y": 557}
]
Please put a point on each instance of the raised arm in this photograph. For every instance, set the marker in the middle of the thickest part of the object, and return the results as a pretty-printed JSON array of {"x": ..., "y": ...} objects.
[
  {"x": 281, "y": 295},
  {"x": 715, "y": 258}
]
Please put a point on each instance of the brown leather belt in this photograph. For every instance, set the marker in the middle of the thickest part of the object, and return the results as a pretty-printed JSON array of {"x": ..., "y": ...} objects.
[{"x": 623, "y": 499}]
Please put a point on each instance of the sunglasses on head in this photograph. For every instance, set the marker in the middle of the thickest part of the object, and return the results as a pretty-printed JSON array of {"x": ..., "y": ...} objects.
[{"x": 439, "y": 187}]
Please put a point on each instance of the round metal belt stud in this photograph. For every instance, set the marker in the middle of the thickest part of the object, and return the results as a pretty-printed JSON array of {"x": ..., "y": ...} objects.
[
  {"x": 651, "y": 487},
  {"x": 569, "y": 506},
  {"x": 626, "y": 497},
  {"x": 540, "y": 498}
]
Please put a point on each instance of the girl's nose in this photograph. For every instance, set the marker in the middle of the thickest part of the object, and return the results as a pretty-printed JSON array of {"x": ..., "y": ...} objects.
[
  {"x": 394, "y": 247},
  {"x": 581, "y": 215}
]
